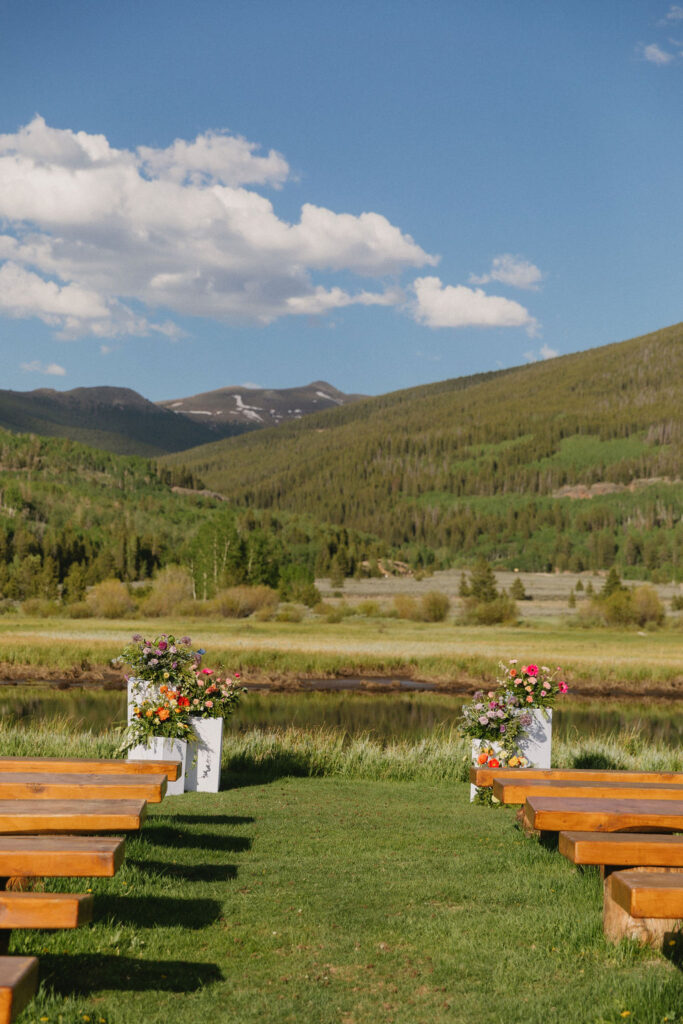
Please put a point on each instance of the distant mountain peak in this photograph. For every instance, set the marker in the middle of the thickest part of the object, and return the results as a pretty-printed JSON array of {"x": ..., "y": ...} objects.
[{"x": 258, "y": 407}]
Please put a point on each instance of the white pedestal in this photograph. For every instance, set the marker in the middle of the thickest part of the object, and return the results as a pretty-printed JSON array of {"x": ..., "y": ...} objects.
[
  {"x": 476, "y": 747},
  {"x": 535, "y": 745},
  {"x": 138, "y": 690},
  {"x": 162, "y": 748},
  {"x": 203, "y": 774}
]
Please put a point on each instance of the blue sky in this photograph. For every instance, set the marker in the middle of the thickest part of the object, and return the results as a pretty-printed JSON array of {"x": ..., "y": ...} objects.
[{"x": 378, "y": 194}]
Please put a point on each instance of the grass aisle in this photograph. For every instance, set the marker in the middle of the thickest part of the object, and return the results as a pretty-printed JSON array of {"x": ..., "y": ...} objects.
[{"x": 336, "y": 901}]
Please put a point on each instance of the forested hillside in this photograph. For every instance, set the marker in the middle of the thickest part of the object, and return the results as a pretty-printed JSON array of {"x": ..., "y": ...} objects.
[
  {"x": 72, "y": 516},
  {"x": 495, "y": 464}
]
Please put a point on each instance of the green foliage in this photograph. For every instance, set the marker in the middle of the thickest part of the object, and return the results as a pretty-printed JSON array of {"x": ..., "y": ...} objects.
[
  {"x": 110, "y": 600},
  {"x": 638, "y": 607},
  {"x": 517, "y": 590},
  {"x": 490, "y": 613},
  {"x": 434, "y": 606},
  {"x": 482, "y": 583},
  {"x": 464, "y": 468}
]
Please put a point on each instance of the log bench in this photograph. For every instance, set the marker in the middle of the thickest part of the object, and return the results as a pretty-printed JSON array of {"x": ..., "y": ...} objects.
[
  {"x": 52, "y": 856},
  {"x": 483, "y": 777},
  {"x": 81, "y": 786},
  {"x": 557, "y": 814},
  {"x": 41, "y": 816},
  {"x": 643, "y": 905},
  {"x": 96, "y": 766},
  {"x": 18, "y": 983},
  {"x": 609, "y": 850},
  {"x": 515, "y": 790}
]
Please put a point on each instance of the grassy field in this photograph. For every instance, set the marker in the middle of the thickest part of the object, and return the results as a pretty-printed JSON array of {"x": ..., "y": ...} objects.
[
  {"x": 339, "y": 901},
  {"x": 595, "y": 660}
]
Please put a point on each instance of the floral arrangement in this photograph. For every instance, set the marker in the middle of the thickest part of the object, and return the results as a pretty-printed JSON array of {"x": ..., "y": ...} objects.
[
  {"x": 169, "y": 687},
  {"x": 536, "y": 687},
  {"x": 165, "y": 715},
  {"x": 499, "y": 720},
  {"x": 206, "y": 696},
  {"x": 161, "y": 660}
]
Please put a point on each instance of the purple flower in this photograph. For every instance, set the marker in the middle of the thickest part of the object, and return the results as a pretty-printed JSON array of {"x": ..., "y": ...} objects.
[
  {"x": 185, "y": 640},
  {"x": 137, "y": 637},
  {"x": 483, "y": 720},
  {"x": 162, "y": 645},
  {"x": 503, "y": 728}
]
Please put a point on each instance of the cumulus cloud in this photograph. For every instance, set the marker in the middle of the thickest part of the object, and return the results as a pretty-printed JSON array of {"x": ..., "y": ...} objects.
[
  {"x": 655, "y": 55},
  {"x": 675, "y": 13},
  {"x": 545, "y": 352},
  {"x": 439, "y": 305},
  {"x": 97, "y": 238},
  {"x": 48, "y": 370},
  {"x": 512, "y": 270}
]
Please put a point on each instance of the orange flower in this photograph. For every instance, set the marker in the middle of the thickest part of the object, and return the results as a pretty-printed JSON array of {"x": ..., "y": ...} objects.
[
  {"x": 149, "y": 713},
  {"x": 163, "y": 689},
  {"x": 163, "y": 714},
  {"x": 482, "y": 759}
]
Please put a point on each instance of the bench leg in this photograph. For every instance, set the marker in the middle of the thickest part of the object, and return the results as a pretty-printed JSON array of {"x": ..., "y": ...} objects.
[{"x": 618, "y": 924}]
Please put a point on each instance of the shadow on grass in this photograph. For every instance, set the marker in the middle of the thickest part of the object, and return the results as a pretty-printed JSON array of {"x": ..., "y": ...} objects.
[
  {"x": 250, "y": 771},
  {"x": 673, "y": 948},
  {"x": 168, "y": 836},
  {"x": 157, "y": 911},
  {"x": 86, "y": 973},
  {"x": 209, "y": 819},
  {"x": 186, "y": 872}
]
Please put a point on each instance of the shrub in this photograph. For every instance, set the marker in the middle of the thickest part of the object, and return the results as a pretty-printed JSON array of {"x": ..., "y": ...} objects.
[
  {"x": 41, "y": 607},
  {"x": 490, "y": 613},
  {"x": 647, "y": 608},
  {"x": 639, "y": 607},
  {"x": 241, "y": 602},
  {"x": 172, "y": 586},
  {"x": 434, "y": 606},
  {"x": 289, "y": 613},
  {"x": 370, "y": 609},
  {"x": 406, "y": 607},
  {"x": 110, "y": 600},
  {"x": 517, "y": 590},
  {"x": 677, "y": 603},
  {"x": 79, "y": 610}
]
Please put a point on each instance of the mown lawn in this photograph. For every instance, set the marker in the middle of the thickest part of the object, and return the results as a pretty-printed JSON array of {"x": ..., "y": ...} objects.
[{"x": 349, "y": 901}]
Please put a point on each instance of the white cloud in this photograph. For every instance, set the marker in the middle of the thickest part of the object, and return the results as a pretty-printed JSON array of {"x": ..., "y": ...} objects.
[
  {"x": 655, "y": 55},
  {"x": 438, "y": 305},
  {"x": 98, "y": 238},
  {"x": 675, "y": 13},
  {"x": 545, "y": 352},
  {"x": 49, "y": 369},
  {"x": 511, "y": 270}
]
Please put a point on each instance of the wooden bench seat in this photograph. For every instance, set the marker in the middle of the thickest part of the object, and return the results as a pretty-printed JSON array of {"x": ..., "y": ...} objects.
[
  {"x": 44, "y": 909},
  {"x": 557, "y": 814},
  {"x": 484, "y": 777},
  {"x": 625, "y": 849},
  {"x": 515, "y": 791},
  {"x": 645, "y": 905},
  {"x": 79, "y": 786},
  {"x": 18, "y": 984},
  {"x": 40, "y": 816},
  {"x": 97, "y": 766},
  {"x": 53, "y": 856}
]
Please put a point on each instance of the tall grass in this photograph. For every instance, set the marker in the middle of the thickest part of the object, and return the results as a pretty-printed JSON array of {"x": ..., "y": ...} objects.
[{"x": 266, "y": 754}]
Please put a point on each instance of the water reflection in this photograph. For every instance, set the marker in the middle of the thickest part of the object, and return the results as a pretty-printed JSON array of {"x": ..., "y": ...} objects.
[{"x": 388, "y": 716}]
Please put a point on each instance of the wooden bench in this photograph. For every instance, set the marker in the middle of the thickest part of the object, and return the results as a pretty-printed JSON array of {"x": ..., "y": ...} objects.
[
  {"x": 483, "y": 777},
  {"x": 622, "y": 849},
  {"x": 97, "y": 766},
  {"x": 51, "y": 856},
  {"x": 643, "y": 905},
  {"x": 515, "y": 791},
  {"x": 557, "y": 814},
  {"x": 76, "y": 786},
  {"x": 18, "y": 983},
  {"x": 40, "y": 816},
  {"x": 44, "y": 909}
]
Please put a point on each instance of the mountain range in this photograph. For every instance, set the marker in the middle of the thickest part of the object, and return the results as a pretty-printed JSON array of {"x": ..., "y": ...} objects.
[{"x": 120, "y": 420}]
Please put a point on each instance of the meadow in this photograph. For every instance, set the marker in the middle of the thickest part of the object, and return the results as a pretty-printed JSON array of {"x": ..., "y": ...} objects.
[{"x": 341, "y": 875}]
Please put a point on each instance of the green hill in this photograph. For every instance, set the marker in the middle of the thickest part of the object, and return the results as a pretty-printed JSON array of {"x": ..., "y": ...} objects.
[{"x": 493, "y": 464}]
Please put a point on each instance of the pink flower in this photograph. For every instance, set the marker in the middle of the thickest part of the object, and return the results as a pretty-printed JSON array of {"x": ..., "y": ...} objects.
[
  {"x": 208, "y": 703},
  {"x": 544, "y": 693},
  {"x": 562, "y": 686},
  {"x": 207, "y": 671},
  {"x": 531, "y": 670},
  {"x": 530, "y": 700}
]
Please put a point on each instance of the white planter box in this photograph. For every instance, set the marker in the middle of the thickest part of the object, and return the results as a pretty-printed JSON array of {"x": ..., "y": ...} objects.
[
  {"x": 138, "y": 690},
  {"x": 203, "y": 774},
  {"x": 535, "y": 745},
  {"x": 161, "y": 748},
  {"x": 476, "y": 747}
]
